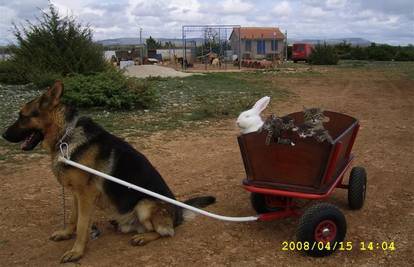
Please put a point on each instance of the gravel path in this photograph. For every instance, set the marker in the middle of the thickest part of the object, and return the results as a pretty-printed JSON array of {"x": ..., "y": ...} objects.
[{"x": 143, "y": 71}]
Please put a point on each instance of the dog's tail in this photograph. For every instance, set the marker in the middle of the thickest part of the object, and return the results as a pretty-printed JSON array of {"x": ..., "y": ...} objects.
[{"x": 198, "y": 202}]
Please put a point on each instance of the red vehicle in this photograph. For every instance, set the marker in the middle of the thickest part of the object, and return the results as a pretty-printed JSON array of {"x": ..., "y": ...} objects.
[
  {"x": 301, "y": 51},
  {"x": 280, "y": 177}
]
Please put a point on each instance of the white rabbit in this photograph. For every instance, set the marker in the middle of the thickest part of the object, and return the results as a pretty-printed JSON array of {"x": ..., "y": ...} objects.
[{"x": 250, "y": 120}]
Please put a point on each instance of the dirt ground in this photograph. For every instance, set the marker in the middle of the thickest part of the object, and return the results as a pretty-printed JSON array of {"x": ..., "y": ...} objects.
[{"x": 207, "y": 161}]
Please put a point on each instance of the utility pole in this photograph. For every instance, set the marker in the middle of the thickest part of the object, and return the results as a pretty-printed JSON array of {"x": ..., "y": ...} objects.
[
  {"x": 273, "y": 47},
  {"x": 286, "y": 46},
  {"x": 141, "y": 47}
]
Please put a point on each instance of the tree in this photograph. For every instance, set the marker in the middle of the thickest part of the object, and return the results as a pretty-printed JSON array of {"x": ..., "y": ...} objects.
[
  {"x": 152, "y": 43},
  {"x": 55, "y": 46},
  {"x": 343, "y": 50},
  {"x": 380, "y": 52},
  {"x": 359, "y": 53},
  {"x": 323, "y": 55},
  {"x": 169, "y": 44}
]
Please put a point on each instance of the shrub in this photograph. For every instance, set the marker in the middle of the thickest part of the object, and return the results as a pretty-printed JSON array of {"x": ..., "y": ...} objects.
[
  {"x": 405, "y": 54},
  {"x": 109, "y": 89},
  {"x": 343, "y": 50},
  {"x": 323, "y": 55},
  {"x": 55, "y": 46},
  {"x": 376, "y": 52},
  {"x": 42, "y": 80},
  {"x": 10, "y": 73},
  {"x": 358, "y": 53},
  {"x": 380, "y": 52}
]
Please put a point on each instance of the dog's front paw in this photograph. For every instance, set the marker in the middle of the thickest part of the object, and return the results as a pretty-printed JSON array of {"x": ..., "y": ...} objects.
[
  {"x": 71, "y": 255},
  {"x": 60, "y": 235},
  {"x": 144, "y": 238},
  {"x": 138, "y": 240}
]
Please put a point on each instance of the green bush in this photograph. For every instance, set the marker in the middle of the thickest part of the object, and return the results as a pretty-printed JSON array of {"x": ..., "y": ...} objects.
[
  {"x": 375, "y": 52},
  {"x": 405, "y": 54},
  {"x": 380, "y": 52},
  {"x": 343, "y": 50},
  {"x": 10, "y": 73},
  {"x": 42, "y": 80},
  {"x": 60, "y": 48},
  {"x": 55, "y": 46},
  {"x": 109, "y": 89},
  {"x": 323, "y": 55},
  {"x": 358, "y": 53}
]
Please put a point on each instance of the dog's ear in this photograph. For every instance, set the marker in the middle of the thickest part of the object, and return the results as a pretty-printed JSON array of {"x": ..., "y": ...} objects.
[{"x": 51, "y": 98}]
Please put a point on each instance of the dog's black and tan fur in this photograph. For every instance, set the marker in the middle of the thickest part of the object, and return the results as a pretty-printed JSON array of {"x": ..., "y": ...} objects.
[{"x": 47, "y": 119}]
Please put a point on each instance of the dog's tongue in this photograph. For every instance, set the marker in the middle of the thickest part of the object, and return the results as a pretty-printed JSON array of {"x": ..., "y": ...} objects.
[{"x": 26, "y": 142}]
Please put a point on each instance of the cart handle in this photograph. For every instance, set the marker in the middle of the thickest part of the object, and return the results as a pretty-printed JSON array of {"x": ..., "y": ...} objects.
[{"x": 156, "y": 195}]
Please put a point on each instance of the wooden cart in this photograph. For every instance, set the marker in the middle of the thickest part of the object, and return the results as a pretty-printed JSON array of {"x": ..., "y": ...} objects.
[{"x": 279, "y": 174}]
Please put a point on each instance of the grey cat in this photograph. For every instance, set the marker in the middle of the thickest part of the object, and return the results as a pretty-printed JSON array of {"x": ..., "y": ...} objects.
[
  {"x": 275, "y": 126},
  {"x": 313, "y": 125}
]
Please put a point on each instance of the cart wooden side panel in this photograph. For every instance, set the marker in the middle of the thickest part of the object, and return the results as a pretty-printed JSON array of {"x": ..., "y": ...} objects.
[{"x": 304, "y": 167}]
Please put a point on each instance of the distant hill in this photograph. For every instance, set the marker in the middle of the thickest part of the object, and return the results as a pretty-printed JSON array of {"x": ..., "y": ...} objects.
[
  {"x": 334, "y": 41},
  {"x": 120, "y": 41},
  {"x": 135, "y": 41}
]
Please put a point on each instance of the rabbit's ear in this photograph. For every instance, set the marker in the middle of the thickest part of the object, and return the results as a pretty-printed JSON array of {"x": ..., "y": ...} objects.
[{"x": 261, "y": 104}]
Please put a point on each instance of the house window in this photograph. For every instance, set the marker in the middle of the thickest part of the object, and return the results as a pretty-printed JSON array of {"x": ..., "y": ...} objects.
[
  {"x": 261, "y": 50},
  {"x": 274, "y": 45},
  {"x": 248, "y": 44}
]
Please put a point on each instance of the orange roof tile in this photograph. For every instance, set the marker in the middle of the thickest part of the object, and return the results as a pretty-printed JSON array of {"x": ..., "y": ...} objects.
[{"x": 261, "y": 33}]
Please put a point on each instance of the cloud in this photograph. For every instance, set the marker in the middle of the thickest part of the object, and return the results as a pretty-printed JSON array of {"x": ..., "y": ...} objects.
[
  {"x": 24, "y": 8},
  {"x": 315, "y": 12},
  {"x": 335, "y": 3},
  {"x": 153, "y": 9},
  {"x": 396, "y": 7},
  {"x": 282, "y": 9},
  {"x": 234, "y": 7},
  {"x": 17, "y": 12},
  {"x": 376, "y": 20}
]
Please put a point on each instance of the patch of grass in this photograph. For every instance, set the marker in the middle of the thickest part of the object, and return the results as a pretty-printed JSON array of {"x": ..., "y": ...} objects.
[
  {"x": 391, "y": 69},
  {"x": 296, "y": 72},
  {"x": 183, "y": 103},
  {"x": 188, "y": 102},
  {"x": 353, "y": 63},
  {"x": 214, "y": 95},
  {"x": 397, "y": 68}
]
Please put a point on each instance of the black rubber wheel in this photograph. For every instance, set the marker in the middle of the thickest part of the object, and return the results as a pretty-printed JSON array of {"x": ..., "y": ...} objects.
[
  {"x": 357, "y": 188},
  {"x": 320, "y": 224},
  {"x": 259, "y": 204}
]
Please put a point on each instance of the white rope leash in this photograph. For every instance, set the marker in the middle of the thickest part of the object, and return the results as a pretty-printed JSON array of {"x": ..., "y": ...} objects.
[{"x": 156, "y": 195}]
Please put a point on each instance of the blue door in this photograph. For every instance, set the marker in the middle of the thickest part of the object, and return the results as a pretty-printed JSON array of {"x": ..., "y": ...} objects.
[{"x": 261, "y": 47}]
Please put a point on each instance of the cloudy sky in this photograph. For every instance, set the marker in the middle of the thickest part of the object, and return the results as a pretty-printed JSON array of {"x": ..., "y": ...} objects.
[{"x": 383, "y": 21}]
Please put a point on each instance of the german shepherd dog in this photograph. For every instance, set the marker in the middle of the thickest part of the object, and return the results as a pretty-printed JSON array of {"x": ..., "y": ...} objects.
[{"x": 46, "y": 119}]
